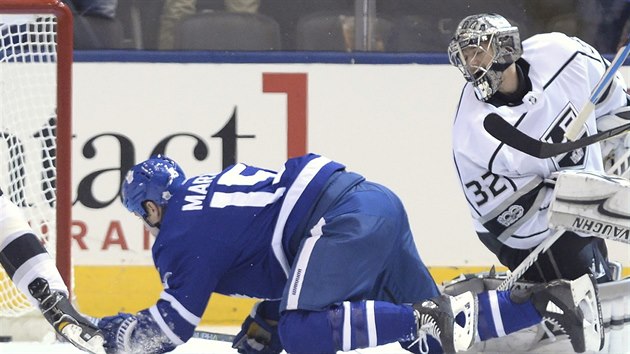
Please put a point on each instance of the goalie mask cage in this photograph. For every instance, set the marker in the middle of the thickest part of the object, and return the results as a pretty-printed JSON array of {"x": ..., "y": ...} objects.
[{"x": 35, "y": 128}]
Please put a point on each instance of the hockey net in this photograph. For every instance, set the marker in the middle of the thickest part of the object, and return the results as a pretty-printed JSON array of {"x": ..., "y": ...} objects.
[{"x": 35, "y": 132}]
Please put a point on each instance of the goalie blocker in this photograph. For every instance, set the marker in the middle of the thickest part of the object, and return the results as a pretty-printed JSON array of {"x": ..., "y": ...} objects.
[{"x": 590, "y": 203}]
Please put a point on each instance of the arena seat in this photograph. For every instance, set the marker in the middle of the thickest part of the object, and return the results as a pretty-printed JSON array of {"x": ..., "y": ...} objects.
[
  {"x": 91, "y": 32},
  {"x": 334, "y": 31},
  {"x": 219, "y": 30}
]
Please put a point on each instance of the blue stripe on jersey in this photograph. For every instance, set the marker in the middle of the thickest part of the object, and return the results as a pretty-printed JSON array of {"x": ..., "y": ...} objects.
[
  {"x": 499, "y": 315},
  {"x": 485, "y": 323},
  {"x": 359, "y": 325},
  {"x": 353, "y": 325},
  {"x": 180, "y": 309},
  {"x": 164, "y": 326}
]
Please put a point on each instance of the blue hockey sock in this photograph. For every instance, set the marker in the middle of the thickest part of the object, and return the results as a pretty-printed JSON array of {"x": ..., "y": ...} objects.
[
  {"x": 500, "y": 316},
  {"x": 346, "y": 326}
]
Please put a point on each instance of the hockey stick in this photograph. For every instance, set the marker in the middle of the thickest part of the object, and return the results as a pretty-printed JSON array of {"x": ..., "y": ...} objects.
[
  {"x": 221, "y": 337},
  {"x": 575, "y": 127},
  {"x": 510, "y": 135},
  {"x": 529, "y": 260}
]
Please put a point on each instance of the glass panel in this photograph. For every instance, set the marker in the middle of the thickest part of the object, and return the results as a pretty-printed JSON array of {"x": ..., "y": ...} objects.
[{"x": 330, "y": 25}]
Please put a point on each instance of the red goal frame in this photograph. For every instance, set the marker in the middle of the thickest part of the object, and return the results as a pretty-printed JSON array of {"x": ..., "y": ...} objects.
[{"x": 64, "y": 120}]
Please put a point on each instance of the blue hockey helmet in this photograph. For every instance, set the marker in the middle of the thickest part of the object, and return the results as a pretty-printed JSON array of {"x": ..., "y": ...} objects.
[{"x": 154, "y": 180}]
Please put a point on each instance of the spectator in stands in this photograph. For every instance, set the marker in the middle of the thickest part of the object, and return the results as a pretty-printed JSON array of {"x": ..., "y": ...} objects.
[
  {"x": 94, "y": 24},
  {"x": 175, "y": 10},
  {"x": 99, "y": 8},
  {"x": 610, "y": 30}
]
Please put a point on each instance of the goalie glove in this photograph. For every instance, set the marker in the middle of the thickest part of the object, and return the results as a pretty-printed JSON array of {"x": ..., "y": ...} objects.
[
  {"x": 259, "y": 331},
  {"x": 67, "y": 322}
]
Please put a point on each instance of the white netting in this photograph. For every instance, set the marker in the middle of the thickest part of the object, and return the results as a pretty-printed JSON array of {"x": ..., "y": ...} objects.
[{"x": 28, "y": 94}]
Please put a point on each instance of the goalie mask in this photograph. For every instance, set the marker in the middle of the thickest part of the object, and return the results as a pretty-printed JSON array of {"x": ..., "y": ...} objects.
[
  {"x": 482, "y": 48},
  {"x": 154, "y": 180}
]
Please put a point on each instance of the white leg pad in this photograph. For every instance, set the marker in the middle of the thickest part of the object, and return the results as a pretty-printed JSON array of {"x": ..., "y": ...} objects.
[
  {"x": 585, "y": 297},
  {"x": 464, "y": 336}
]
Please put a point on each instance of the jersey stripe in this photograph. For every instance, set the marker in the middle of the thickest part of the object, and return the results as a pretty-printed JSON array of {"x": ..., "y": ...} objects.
[
  {"x": 157, "y": 317},
  {"x": 347, "y": 327},
  {"x": 371, "y": 323},
  {"x": 496, "y": 313},
  {"x": 302, "y": 265},
  {"x": 305, "y": 177},
  {"x": 181, "y": 310}
]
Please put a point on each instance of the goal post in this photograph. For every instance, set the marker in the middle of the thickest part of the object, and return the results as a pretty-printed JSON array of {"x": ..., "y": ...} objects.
[{"x": 36, "y": 128}]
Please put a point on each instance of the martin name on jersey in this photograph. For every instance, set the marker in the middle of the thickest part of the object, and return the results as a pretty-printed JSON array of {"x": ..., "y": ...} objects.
[{"x": 505, "y": 188}]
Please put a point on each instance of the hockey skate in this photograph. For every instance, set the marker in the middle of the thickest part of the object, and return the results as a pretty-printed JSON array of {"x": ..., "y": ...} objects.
[
  {"x": 574, "y": 307},
  {"x": 452, "y": 320},
  {"x": 66, "y": 321}
]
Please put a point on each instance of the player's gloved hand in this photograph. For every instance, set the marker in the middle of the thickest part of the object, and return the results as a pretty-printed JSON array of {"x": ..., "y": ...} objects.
[
  {"x": 134, "y": 334},
  {"x": 259, "y": 331},
  {"x": 117, "y": 331}
]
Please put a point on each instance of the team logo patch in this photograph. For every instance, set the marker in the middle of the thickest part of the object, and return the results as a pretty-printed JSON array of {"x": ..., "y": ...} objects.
[
  {"x": 555, "y": 135},
  {"x": 510, "y": 216}
]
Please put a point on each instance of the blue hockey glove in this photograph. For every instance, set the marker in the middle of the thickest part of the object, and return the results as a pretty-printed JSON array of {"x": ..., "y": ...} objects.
[
  {"x": 117, "y": 331},
  {"x": 134, "y": 334},
  {"x": 259, "y": 331}
]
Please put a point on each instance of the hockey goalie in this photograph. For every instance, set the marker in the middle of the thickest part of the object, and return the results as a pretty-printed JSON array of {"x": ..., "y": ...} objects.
[{"x": 589, "y": 204}]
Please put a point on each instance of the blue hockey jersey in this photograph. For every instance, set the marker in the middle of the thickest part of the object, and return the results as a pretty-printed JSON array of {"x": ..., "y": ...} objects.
[{"x": 230, "y": 233}]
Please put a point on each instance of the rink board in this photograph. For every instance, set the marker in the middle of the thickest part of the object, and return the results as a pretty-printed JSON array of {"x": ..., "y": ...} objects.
[{"x": 133, "y": 288}]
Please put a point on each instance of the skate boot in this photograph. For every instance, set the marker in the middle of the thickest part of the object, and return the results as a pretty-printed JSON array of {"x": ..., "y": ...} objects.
[
  {"x": 574, "y": 307},
  {"x": 66, "y": 321},
  {"x": 452, "y": 320}
]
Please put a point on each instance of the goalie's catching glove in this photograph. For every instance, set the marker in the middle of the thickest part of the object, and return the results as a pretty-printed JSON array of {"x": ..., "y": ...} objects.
[
  {"x": 66, "y": 321},
  {"x": 259, "y": 331}
]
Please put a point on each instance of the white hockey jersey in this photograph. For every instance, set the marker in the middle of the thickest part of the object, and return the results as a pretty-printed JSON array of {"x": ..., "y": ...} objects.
[{"x": 504, "y": 187}]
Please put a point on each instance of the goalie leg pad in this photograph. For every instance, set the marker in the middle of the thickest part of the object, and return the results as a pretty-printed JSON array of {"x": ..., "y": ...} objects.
[
  {"x": 594, "y": 204},
  {"x": 575, "y": 307}
]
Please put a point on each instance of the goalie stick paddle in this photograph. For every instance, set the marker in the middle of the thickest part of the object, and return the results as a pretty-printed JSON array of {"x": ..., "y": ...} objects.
[
  {"x": 575, "y": 126},
  {"x": 510, "y": 135}
]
